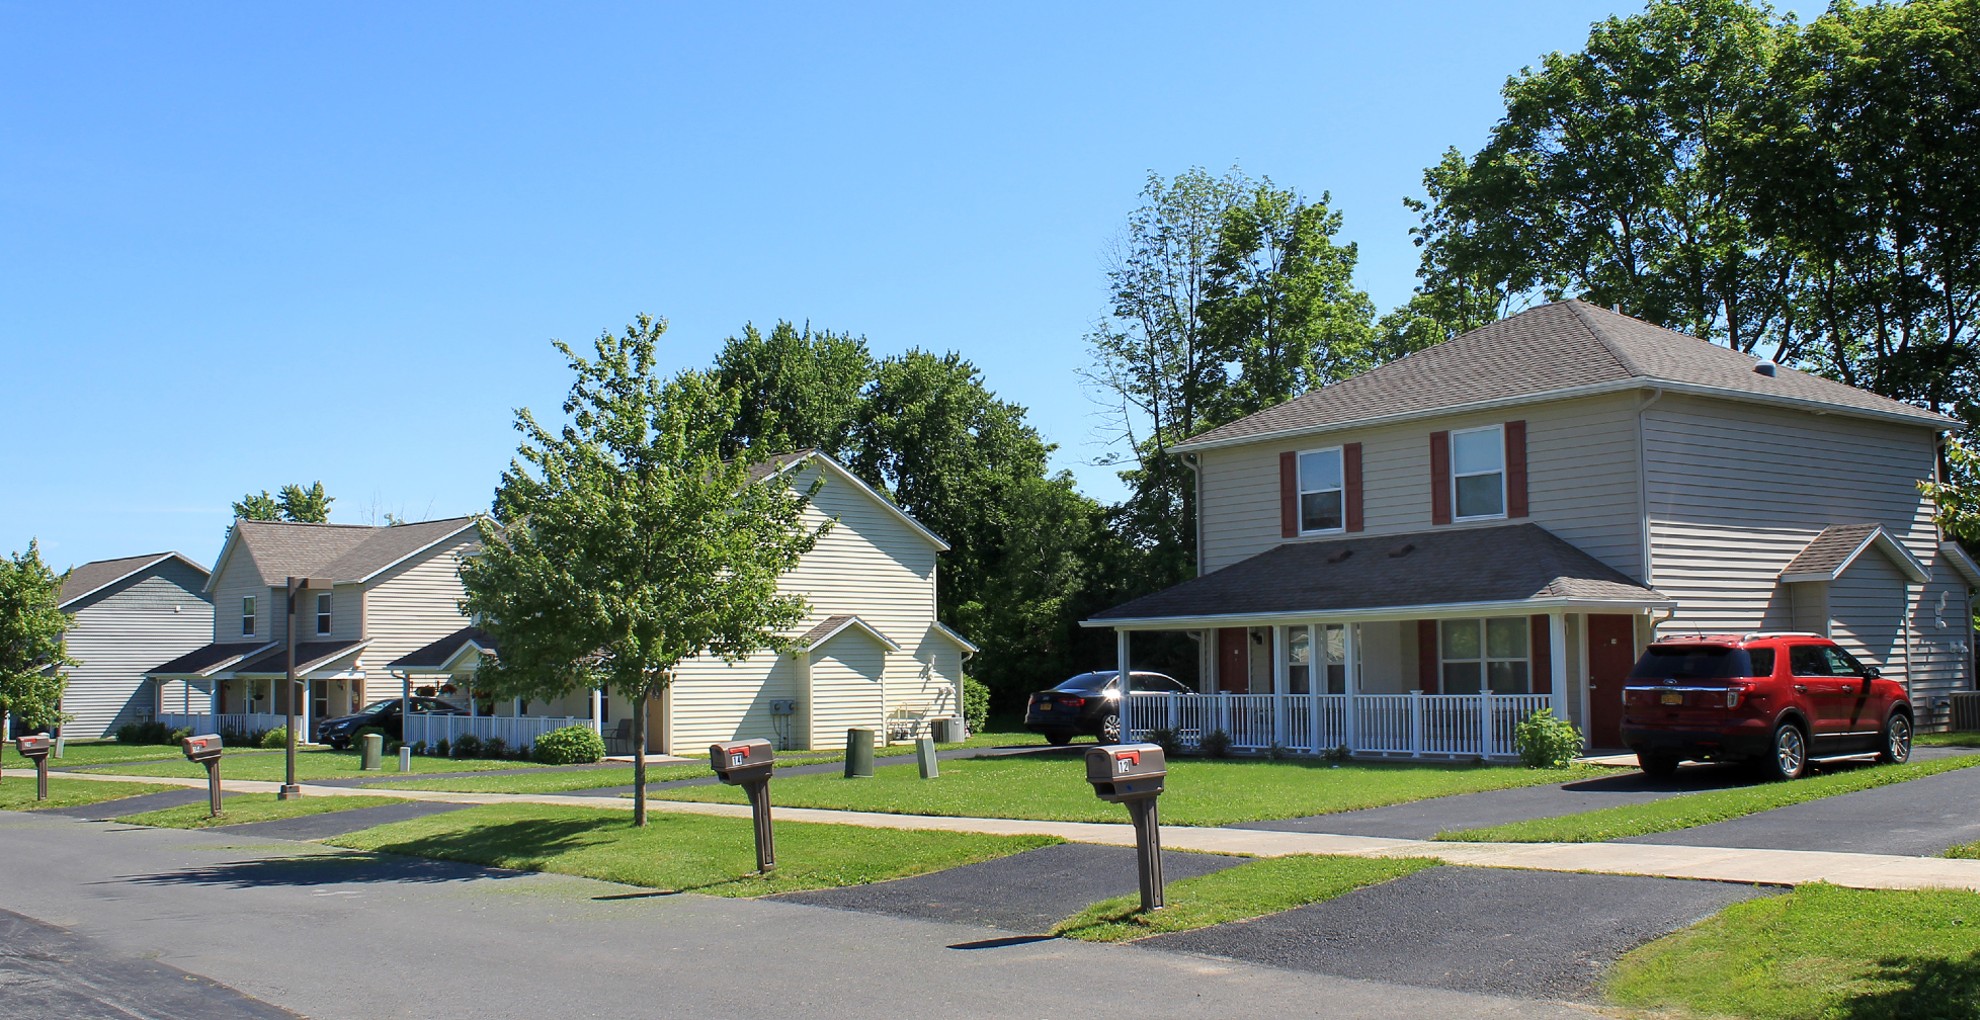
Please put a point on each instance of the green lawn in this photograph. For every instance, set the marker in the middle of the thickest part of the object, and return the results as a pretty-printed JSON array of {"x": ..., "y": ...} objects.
[
  {"x": 1947, "y": 740},
  {"x": 17, "y": 792},
  {"x": 75, "y": 754},
  {"x": 679, "y": 852},
  {"x": 1199, "y": 792},
  {"x": 245, "y": 808},
  {"x": 1817, "y": 953},
  {"x": 311, "y": 764},
  {"x": 1964, "y": 852},
  {"x": 1261, "y": 887},
  {"x": 1696, "y": 809}
]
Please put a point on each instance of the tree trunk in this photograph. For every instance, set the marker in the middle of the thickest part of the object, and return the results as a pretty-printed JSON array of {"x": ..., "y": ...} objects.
[{"x": 639, "y": 761}]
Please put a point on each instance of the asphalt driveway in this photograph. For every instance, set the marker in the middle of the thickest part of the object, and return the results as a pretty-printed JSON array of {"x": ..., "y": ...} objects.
[{"x": 1922, "y": 818}]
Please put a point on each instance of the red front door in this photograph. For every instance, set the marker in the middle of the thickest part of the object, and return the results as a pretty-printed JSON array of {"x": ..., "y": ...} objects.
[
  {"x": 1611, "y": 655},
  {"x": 1234, "y": 660}
]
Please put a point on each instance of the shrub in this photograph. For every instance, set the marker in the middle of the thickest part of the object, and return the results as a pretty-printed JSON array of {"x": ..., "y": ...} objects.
[
  {"x": 493, "y": 747},
  {"x": 976, "y": 704},
  {"x": 1215, "y": 744},
  {"x": 467, "y": 745},
  {"x": 277, "y": 737},
  {"x": 1546, "y": 742},
  {"x": 1165, "y": 738},
  {"x": 357, "y": 739},
  {"x": 392, "y": 746},
  {"x": 148, "y": 732},
  {"x": 570, "y": 745},
  {"x": 1278, "y": 751},
  {"x": 419, "y": 748},
  {"x": 1338, "y": 754},
  {"x": 179, "y": 734},
  {"x": 441, "y": 750}
]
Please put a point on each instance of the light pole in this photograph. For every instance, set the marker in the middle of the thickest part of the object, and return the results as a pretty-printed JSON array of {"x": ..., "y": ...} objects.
[{"x": 295, "y": 585}]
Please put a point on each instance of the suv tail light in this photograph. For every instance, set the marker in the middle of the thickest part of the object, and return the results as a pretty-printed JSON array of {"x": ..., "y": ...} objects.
[{"x": 1735, "y": 694}]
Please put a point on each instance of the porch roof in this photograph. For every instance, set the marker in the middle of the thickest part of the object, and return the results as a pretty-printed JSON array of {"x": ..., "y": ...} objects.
[
  {"x": 310, "y": 656},
  {"x": 441, "y": 655},
  {"x": 1515, "y": 568},
  {"x": 207, "y": 660}
]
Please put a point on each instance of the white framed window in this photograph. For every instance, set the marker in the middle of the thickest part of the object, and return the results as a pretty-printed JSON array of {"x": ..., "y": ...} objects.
[
  {"x": 247, "y": 616},
  {"x": 1493, "y": 652},
  {"x": 1322, "y": 494},
  {"x": 324, "y": 604},
  {"x": 1478, "y": 473}
]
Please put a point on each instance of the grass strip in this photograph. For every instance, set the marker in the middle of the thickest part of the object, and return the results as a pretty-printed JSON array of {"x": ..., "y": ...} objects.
[
  {"x": 75, "y": 755},
  {"x": 1947, "y": 740},
  {"x": 1964, "y": 852},
  {"x": 1695, "y": 809},
  {"x": 247, "y": 808},
  {"x": 1817, "y": 953},
  {"x": 312, "y": 764},
  {"x": 1261, "y": 887},
  {"x": 679, "y": 852},
  {"x": 17, "y": 791},
  {"x": 1200, "y": 792}
]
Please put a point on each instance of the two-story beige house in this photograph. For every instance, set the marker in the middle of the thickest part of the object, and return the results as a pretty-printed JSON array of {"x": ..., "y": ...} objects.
[
  {"x": 1411, "y": 560},
  {"x": 395, "y": 589}
]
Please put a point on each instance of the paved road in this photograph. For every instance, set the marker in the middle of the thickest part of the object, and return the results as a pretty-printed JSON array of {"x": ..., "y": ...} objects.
[
  {"x": 1922, "y": 817},
  {"x": 171, "y": 797},
  {"x": 1026, "y": 893},
  {"x": 1471, "y": 929},
  {"x": 46, "y": 972},
  {"x": 292, "y": 923}
]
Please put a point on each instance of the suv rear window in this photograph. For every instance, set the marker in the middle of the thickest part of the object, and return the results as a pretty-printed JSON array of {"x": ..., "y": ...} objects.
[{"x": 1695, "y": 662}]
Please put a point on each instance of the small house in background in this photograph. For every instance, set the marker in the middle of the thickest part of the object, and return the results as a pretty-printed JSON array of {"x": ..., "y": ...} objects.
[{"x": 129, "y": 614}]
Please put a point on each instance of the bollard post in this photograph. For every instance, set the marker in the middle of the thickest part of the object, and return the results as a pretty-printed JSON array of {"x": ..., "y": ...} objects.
[
  {"x": 405, "y": 759},
  {"x": 924, "y": 755},
  {"x": 859, "y": 753}
]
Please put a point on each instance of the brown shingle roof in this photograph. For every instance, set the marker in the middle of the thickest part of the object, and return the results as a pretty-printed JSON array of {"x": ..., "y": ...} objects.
[
  {"x": 341, "y": 552},
  {"x": 1837, "y": 547},
  {"x": 99, "y": 574},
  {"x": 309, "y": 655},
  {"x": 207, "y": 659},
  {"x": 1564, "y": 347},
  {"x": 439, "y": 653},
  {"x": 1507, "y": 563}
]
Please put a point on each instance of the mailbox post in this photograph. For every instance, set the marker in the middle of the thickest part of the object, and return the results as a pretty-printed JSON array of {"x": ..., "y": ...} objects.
[
  {"x": 748, "y": 764},
  {"x": 205, "y": 750},
  {"x": 36, "y": 749},
  {"x": 1134, "y": 774}
]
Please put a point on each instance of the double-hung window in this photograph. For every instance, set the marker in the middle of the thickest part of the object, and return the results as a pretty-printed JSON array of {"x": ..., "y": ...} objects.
[
  {"x": 247, "y": 616},
  {"x": 1478, "y": 473},
  {"x": 1321, "y": 492},
  {"x": 324, "y": 604},
  {"x": 1492, "y": 651}
]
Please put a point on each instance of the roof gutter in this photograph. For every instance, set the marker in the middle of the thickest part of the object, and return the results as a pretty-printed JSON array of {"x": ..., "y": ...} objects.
[{"x": 1518, "y": 607}]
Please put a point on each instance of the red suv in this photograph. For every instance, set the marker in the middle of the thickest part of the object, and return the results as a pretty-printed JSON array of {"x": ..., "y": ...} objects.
[{"x": 1776, "y": 699}]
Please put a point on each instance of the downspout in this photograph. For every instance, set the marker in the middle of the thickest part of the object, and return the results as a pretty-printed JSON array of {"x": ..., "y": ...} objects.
[
  {"x": 1643, "y": 494},
  {"x": 1206, "y": 662}
]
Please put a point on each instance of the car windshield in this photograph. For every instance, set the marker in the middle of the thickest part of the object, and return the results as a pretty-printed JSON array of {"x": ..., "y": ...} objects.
[
  {"x": 1692, "y": 662},
  {"x": 379, "y": 706},
  {"x": 1087, "y": 682}
]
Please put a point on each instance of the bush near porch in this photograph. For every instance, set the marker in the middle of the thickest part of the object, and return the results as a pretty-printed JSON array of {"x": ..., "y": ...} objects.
[{"x": 1054, "y": 788}]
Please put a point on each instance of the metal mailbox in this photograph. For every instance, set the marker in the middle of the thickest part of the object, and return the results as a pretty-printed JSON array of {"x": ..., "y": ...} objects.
[
  {"x": 741, "y": 762},
  {"x": 202, "y": 748},
  {"x": 1126, "y": 772},
  {"x": 35, "y": 747}
]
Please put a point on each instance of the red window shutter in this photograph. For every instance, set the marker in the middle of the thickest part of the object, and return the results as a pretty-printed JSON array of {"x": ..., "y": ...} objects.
[
  {"x": 1289, "y": 495},
  {"x": 1351, "y": 485},
  {"x": 1428, "y": 667},
  {"x": 1542, "y": 658},
  {"x": 1516, "y": 468},
  {"x": 1440, "y": 478}
]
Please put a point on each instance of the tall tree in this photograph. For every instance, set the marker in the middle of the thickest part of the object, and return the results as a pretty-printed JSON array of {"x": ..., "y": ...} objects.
[
  {"x": 625, "y": 542},
  {"x": 32, "y": 653},
  {"x": 292, "y": 503},
  {"x": 797, "y": 389}
]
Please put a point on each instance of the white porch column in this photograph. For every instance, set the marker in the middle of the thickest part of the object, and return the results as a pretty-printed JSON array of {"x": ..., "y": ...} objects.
[
  {"x": 1316, "y": 687},
  {"x": 213, "y": 701},
  {"x": 1281, "y": 682},
  {"x": 1351, "y": 678},
  {"x": 1124, "y": 676},
  {"x": 598, "y": 710},
  {"x": 1557, "y": 649},
  {"x": 302, "y": 711}
]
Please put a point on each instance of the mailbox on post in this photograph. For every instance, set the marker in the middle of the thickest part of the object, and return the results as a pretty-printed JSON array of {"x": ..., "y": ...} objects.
[
  {"x": 1135, "y": 775},
  {"x": 36, "y": 748},
  {"x": 748, "y": 764},
  {"x": 205, "y": 749}
]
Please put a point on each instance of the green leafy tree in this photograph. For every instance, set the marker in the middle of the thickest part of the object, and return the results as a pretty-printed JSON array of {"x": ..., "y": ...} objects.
[
  {"x": 258, "y": 506},
  {"x": 292, "y": 503},
  {"x": 32, "y": 653},
  {"x": 624, "y": 543},
  {"x": 797, "y": 389}
]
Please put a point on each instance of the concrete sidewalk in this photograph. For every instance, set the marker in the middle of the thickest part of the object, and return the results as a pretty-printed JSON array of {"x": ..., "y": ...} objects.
[{"x": 1718, "y": 864}]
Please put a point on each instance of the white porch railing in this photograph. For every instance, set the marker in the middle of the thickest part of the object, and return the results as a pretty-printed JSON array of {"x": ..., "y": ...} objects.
[
  {"x": 239, "y": 723},
  {"x": 514, "y": 730},
  {"x": 1458, "y": 725}
]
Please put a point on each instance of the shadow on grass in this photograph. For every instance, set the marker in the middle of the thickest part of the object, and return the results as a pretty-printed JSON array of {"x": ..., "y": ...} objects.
[{"x": 1921, "y": 989}]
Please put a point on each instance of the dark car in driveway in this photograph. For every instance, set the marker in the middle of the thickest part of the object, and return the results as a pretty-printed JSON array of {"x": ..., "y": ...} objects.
[
  {"x": 1090, "y": 703},
  {"x": 384, "y": 715}
]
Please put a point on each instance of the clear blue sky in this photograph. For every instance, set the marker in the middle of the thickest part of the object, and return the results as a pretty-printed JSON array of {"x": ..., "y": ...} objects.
[{"x": 248, "y": 244}]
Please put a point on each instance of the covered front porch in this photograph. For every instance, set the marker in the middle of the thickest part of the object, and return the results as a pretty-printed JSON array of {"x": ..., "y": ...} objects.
[{"x": 1422, "y": 646}]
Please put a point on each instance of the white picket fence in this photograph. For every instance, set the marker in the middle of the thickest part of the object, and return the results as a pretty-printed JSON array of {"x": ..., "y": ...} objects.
[
  {"x": 513, "y": 730},
  {"x": 1456, "y": 725},
  {"x": 225, "y": 722}
]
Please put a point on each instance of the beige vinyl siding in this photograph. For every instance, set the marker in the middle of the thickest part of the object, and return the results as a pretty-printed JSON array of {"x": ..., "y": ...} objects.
[
  {"x": 1868, "y": 605},
  {"x": 117, "y": 635},
  {"x": 732, "y": 702},
  {"x": 1581, "y": 481},
  {"x": 1940, "y": 649},
  {"x": 239, "y": 581},
  {"x": 847, "y": 689},
  {"x": 413, "y": 606},
  {"x": 928, "y": 685}
]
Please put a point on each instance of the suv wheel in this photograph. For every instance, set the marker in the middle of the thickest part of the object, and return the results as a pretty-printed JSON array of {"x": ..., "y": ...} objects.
[
  {"x": 1897, "y": 740},
  {"x": 1658, "y": 766},
  {"x": 1790, "y": 757}
]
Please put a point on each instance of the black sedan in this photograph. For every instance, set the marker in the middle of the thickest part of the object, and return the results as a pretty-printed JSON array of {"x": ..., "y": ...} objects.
[
  {"x": 1090, "y": 703},
  {"x": 384, "y": 715}
]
